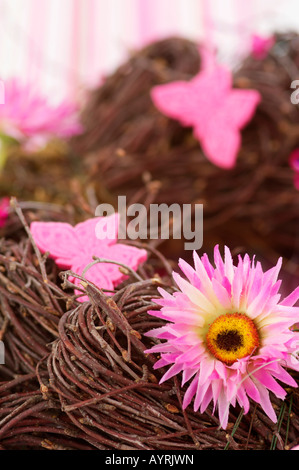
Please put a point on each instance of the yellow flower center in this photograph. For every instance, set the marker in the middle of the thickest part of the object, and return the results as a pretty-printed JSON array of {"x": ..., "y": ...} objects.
[{"x": 232, "y": 336}]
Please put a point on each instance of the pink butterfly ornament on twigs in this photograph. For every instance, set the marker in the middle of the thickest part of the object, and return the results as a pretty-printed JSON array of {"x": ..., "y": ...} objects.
[
  {"x": 210, "y": 105},
  {"x": 294, "y": 164},
  {"x": 74, "y": 247}
]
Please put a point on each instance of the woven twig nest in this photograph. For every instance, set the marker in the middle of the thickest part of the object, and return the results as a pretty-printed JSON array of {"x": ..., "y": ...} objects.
[
  {"x": 28, "y": 421},
  {"x": 131, "y": 149}
]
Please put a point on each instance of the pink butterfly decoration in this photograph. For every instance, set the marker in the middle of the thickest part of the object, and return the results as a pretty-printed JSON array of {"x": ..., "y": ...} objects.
[
  {"x": 73, "y": 248},
  {"x": 260, "y": 46},
  {"x": 294, "y": 164},
  {"x": 4, "y": 210},
  {"x": 214, "y": 110}
]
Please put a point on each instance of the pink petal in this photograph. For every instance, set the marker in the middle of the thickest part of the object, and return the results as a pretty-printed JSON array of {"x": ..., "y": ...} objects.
[
  {"x": 267, "y": 381},
  {"x": 222, "y": 295},
  {"x": 189, "y": 317},
  {"x": 4, "y": 210},
  {"x": 172, "y": 371},
  {"x": 243, "y": 399},
  {"x": 29, "y": 117},
  {"x": 200, "y": 394},
  {"x": 75, "y": 247},
  {"x": 251, "y": 389},
  {"x": 207, "y": 398},
  {"x": 237, "y": 286},
  {"x": 188, "y": 373},
  {"x": 190, "y": 273},
  {"x": 125, "y": 254},
  {"x": 207, "y": 265}
]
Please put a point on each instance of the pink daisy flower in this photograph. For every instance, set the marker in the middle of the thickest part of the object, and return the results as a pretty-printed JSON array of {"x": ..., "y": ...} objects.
[
  {"x": 228, "y": 333},
  {"x": 294, "y": 164},
  {"x": 27, "y": 116}
]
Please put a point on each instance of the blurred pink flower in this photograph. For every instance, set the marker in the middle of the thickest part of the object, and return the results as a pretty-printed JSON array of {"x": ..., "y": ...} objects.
[
  {"x": 74, "y": 247},
  {"x": 228, "y": 333},
  {"x": 260, "y": 46},
  {"x": 4, "y": 210},
  {"x": 27, "y": 116},
  {"x": 212, "y": 107},
  {"x": 294, "y": 164}
]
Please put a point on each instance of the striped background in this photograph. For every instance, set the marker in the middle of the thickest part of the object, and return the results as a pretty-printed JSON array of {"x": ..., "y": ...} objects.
[{"x": 66, "y": 45}]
